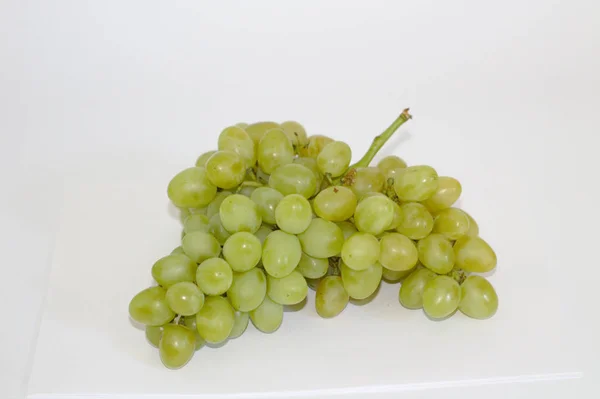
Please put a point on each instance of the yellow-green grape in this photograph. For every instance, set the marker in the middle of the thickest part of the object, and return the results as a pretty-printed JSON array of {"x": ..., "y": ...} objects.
[
  {"x": 268, "y": 316},
  {"x": 293, "y": 214},
  {"x": 185, "y": 298},
  {"x": 191, "y": 188},
  {"x": 360, "y": 284},
  {"x": 411, "y": 290},
  {"x": 242, "y": 251},
  {"x": 316, "y": 143},
  {"x": 281, "y": 253},
  {"x": 451, "y": 223},
  {"x": 360, "y": 251},
  {"x": 215, "y": 227},
  {"x": 274, "y": 150},
  {"x": 201, "y": 161},
  {"x": 473, "y": 226},
  {"x": 478, "y": 298},
  {"x": 183, "y": 214},
  {"x": 296, "y": 133},
  {"x": 215, "y": 320},
  {"x": 416, "y": 222},
  {"x": 447, "y": 193},
  {"x": 322, "y": 239},
  {"x": 398, "y": 252},
  {"x": 243, "y": 125},
  {"x": 214, "y": 276},
  {"x": 474, "y": 255},
  {"x": 172, "y": 269},
  {"x": 347, "y": 228},
  {"x": 226, "y": 169},
  {"x": 367, "y": 180},
  {"x": 390, "y": 165},
  {"x": 335, "y": 203},
  {"x": 195, "y": 223},
  {"x": 441, "y": 296},
  {"x": 240, "y": 324},
  {"x": 199, "y": 246},
  {"x": 247, "y": 290},
  {"x": 150, "y": 307},
  {"x": 416, "y": 183},
  {"x": 235, "y": 138},
  {"x": 262, "y": 233},
  {"x": 311, "y": 164},
  {"x": 246, "y": 190},
  {"x": 190, "y": 322},
  {"x": 311, "y": 267},
  {"x": 239, "y": 213},
  {"x": 178, "y": 251},
  {"x": 394, "y": 276},
  {"x": 154, "y": 334},
  {"x": 267, "y": 199},
  {"x": 177, "y": 346},
  {"x": 374, "y": 214},
  {"x": 213, "y": 208},
  {"x": 331, "y": 297},
  {"x": 334, "y": 158},
  {"x": 288, "y": 290},
  {"x": 436, "y": 253},
  {"x": 397, "y": 220},
  {"x": 256, "y": 131},
  {"x": 293, "y": 178}
]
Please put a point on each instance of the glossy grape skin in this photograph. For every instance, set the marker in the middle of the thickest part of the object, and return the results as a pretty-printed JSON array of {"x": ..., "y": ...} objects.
[
  {"x": 374, "y": 214},
  {"x": 411, "y": 290},
  {"x": 213, "y": 208},
  {"x": 293, "y": 178},
  {"x": 366, "y": 180},
  {"x": 478, "y": 298},
  {"x": 416, "y": 221},
  {"x": 473, "y": 226},
  {"x": 177, "y": 251},
  {"x": 334, "y": 158},
  {"x": 347, "y": 228},
  {"x": 247, "y": 290},
  {"x": 311, "y": 267},
  {"x": 311, "y": 164},
  {"x": 214, "y": 276},
  {"x": 172, "y": 269},
  {"x": 177, "y": 346},
  {"x": 185, "y": 298},
  {"x": 331, "y": 297},
  {"x": 246, "y": 190},
  {"x": 474, "y": 254},
  {"x": 150, "y": 307},
  {"x": 441, "y": 297},
  {"x": 293, "y": 214},
  {"x": 215, "y": 227},
  {"x": 436, "y": 253},
  {"x": 262, "y": 233},
  {"x": 322, "y": 239},
  {"x": 266, "y": 198},
  {"x": 452, "y": 223},
  {"x": 360, "y": 251},
  {"x": 274, "y": 150},
  {"x": 447, "y": 193},
  {"x": 199, "y": 246},
  {"x": 389, "y": 166},
  {"x": 335, "y": 203},
  {"x": 394, "y": 276},
  {"x": 190, "y": 322},
  {"x": 281, "y": 253},
  {"x": 201, "y": 161},
  {"x": 296, "y": 133},
  {"x": 398, "y": 252},
  {"x": 154, "y": 334},
  {"x": 268, "y": 316},
  {"x": 242, "y": 251},
  {"x": 215, "y": 320},
  {"x": 240, "y": 324},
  {"x": 195, "y": 223},
  {"x": 235, "y": 139},
  {"x": 288, "y": 290},
  {"x": 191, "y": 188},
  {"x": 314, "y": 146},
  {"x": 225, "y": 169},
  {"x": 361, "y": 284},
  {"x": 239, "y": 213},
  {"x": 257, "y": 130},
  {"x": 416, "y": 183}
]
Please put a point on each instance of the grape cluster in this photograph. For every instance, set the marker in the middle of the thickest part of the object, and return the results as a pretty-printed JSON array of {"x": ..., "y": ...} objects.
[{"x": 273, "y": 212}]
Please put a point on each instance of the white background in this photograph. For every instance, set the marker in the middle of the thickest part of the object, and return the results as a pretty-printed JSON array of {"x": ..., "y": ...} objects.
[{"x": 505, "y": 97}]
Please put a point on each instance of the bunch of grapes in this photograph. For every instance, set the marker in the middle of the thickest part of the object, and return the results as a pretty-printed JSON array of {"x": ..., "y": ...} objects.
[{"x": 273, "y": 212}]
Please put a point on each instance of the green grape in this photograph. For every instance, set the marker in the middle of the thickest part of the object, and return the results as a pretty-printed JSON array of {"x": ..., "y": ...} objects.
[
  {"x": 199, "y": 246},
  {"x": 190, "y": 322},
  {"x": 315, "y": 145},
  {"x": 322, "y": 239},
  {"x": 262, "y": 233},
  {"x": 435, "y": 253},
  {"x": 261, "y": 176},
  {"x": 296, "y": 133},
  {"x": 243, "y": 125},
  {"x": 183, "y": 214},
  {"x": 473, "y": 227},
  {"x": 397, "y": 220},
  {"x": 226, "y": 169},
  {"x": 366, "y": 180},
  {"x": 185, "y": 298},
  {"x": 281, "y": 253},
  {"x": 235, "y": 138},
  {"x": 331, "y": 297},
  {"x": 201, "y": 161},
  {"x": 416, "y": 183},
  {"x": 215, "y": 227},
  {"x": 246, "y": 190},
  {"x": 293, "y": 178},
  {"x": 390, "y": 165},
  {"x": 154, "y": 334},
  {"x": 213, "y": 208},
  {"x": 274, "y": 150},
  {"x": 447, "y": 193},
  {"x": 242, "y": 251},
  {"x": 398, "y": 252},
  {"x": 393, "y": 276},
  {"x": 240, "y": 324},
  {"x": 451, "y": 223},
  {"x": 256, "y": 131},
  {"x": 311, "y": 267},
  {"x": 268, "y": 316},
  {"x": 173, "y": 269},
  {"x": 347, "y": 228},
  {"x": 196, "y": 222},
  {"x": 360, "y": 251},
  {"x": 334, "y": 158},
  {"x": 311, "y": 164},
  {"x": 416, "y": 222},
  {"x": 267, "y": 199},
  {"x": 478, "y": 298},
  {"x": 191, "y": 188},
  {"x": 441, "y": 296},
  {"x": 474, "y": 255},
  {"x": 247, "y": 290},
  {"x": 293, "y": 214},
  {"x": 150, "y": 307},
  {"x": 411, "y": 290},
  {"x": 178, "y": 251},
  {"x": 288, "y": 290},
  {"x": 215, "y": 320},
  {"x": 239, "y": 213},
  {"x": 360, "y": 284},
  {"x": 214, "y": 276},
  {"x": 177, "y": 346},
  {"x": 335, "y": 203},
  {"x": 374, "y": 214}
]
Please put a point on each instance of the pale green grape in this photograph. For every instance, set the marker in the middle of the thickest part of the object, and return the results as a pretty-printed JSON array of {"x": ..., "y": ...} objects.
[
  {"x": 296, "y": 133},
  {"x": 235, "y": 138},
  {"x": 390, "y": 165},
  {"x": 178, "y": 251},
  {"x": 177, "y": 346},
  {"x": 247, "y": 290},
  {"x": 293, "y": 178},
  {"x": 257, "y": 130},
  {"x": 436, "y": 253},
  {"x": 311, "y": 267},
  {"x": 240, "y": 324},
  {"x": 397, "y": 220},
  {"x": 311, "y": 164},
  {"x": 331, "y": 297},
  {"x": 226, "y": 169},
  {"x": 267, "y": 199},
  {"x": 243, "y": 125},
  {"x": 447, "y": 193},
  {"x": 398, "y": 252},
  {"x": 215, "y": 227},
  {"x": 441, "y": 296},
  {"x": 288, "y": 290},
  {"x": 154, "y": 334},
  {"x": 172, "y": 269},
  {"x": 150, "y": 307},
  {"x": 191, "y": 188},
  {"x": 474, "y": 255},
  {"x": 322, "y": 239},
  {"x": 185, "y": 298},
  {"x": 473, "y": 226},
  {"x": 478, "y": 298},
  {"x": 411, "y": 290},
  {"x": 416, "y": 183},
  {"x": 334, "y": 158},
  {"x": 242, "y": 251},
  {"x": 268, "y": 316},
  {"x": 335, "y": 203},
  {"x": 196, "y": 222},
  {"x": 360, "y": 284},
  {"x": 246, "y": 190},
  {"x": 366, "y": 180},
  {"x": 263, "y": 232},
  {"x": 190, "y": 322},
  {"x": 199, "y": 246},
  {"x": 451, "y": 223},
  {"x": 183, "y": 214},
  {"x": 201, "y": 161},
  {"x": 274, "y": 150},
  {"x": 347, "y": 228},
  {"x": 374, "y": 214},
  {"x": 416, "y": 222},
  {"x": 281, "y": 253},
  {"x": 215, "y": 320},
  {"x": 239, "y": 213},
  {"x": 213, "y": 208},
  {"x": 360, "y": 251},
  {"x": 293, "y": 214},
  {"x": 214, "y": 276},
  {"x": 393, "y": 276},
  {"x": 315, "y": 145}
]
